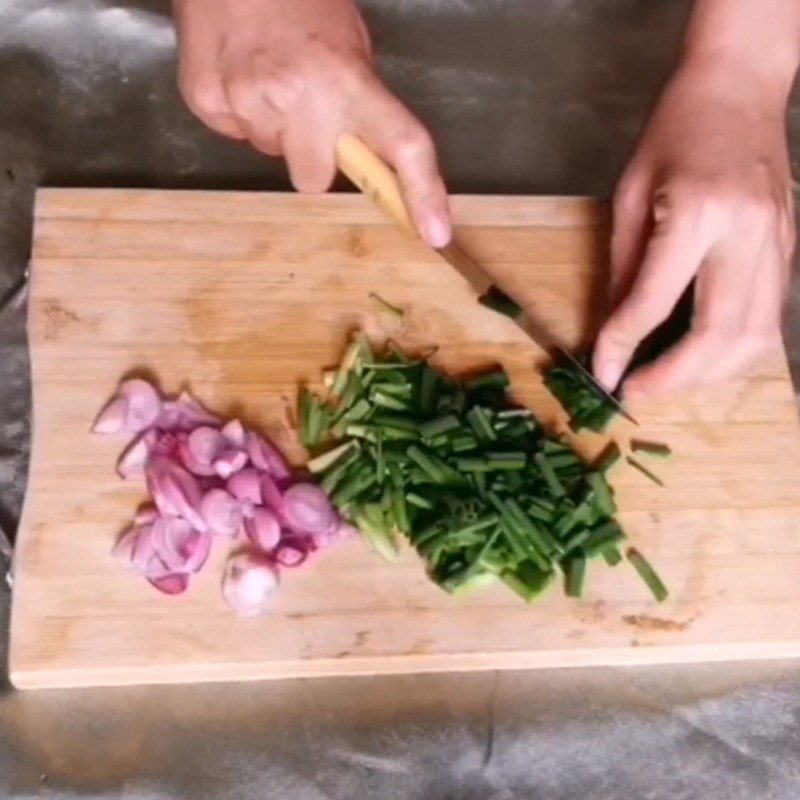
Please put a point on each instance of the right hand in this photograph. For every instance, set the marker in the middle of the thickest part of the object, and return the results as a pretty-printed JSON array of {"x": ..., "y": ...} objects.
[{"x": 291, "y": 77}]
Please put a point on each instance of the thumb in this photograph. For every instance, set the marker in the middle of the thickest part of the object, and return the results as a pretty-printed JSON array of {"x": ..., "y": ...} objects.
[
  {"x": 400, "y": 139},
  {"x": 672, "y": 256}
]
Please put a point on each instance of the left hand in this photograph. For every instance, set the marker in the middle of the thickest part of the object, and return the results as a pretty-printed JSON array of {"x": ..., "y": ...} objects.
[{"x": 708, "y": 194}]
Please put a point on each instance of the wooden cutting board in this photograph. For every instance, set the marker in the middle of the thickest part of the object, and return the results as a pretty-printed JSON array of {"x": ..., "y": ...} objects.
[{"x": 241, "y": 296}]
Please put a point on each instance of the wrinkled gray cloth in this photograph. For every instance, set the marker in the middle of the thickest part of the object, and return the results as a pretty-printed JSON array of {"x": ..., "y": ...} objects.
[{"x": 535, "y": 96}]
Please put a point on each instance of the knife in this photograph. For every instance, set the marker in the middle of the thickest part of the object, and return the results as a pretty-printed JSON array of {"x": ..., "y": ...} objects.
[{"x": 379, "y": 183}]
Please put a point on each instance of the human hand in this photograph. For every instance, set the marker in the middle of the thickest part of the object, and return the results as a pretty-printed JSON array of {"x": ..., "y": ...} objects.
[
  {"x": 707, "y": 195},
  {"x": 291, "y": 77}
]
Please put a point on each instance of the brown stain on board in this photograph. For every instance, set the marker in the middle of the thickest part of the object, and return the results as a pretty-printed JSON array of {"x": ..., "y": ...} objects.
[
  {"x": 56, "y": 318},
  {"x": 646, "y": 622}
]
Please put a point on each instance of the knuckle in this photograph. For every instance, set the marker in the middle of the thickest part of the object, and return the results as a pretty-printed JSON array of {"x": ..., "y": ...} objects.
[
  {"x": 202, "y": 92},
  {"x": 283, "y": 87},
  {"x": 411, "y": 143}
]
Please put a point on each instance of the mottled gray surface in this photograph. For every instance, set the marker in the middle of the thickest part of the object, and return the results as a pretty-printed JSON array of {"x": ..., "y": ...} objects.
[{"x": 524, "y": 96}]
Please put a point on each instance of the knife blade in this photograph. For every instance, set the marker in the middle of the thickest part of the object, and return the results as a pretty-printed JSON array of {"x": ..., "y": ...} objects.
[
  {"x": 485, "y": 287},
  {"x": 377, "y": 181}
]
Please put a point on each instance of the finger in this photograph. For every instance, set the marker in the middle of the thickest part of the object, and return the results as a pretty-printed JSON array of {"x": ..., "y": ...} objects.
[
  {"x": 258, "y": 119},
  {"x": 309, "y": 142},
  {"x": 738, "y": 302},
  {"x": 226, "y": 125},
  {"x": 674, "y": 253},
  {"x": 396, "y": 135},
  {"x": 206, "y": 98},
  {"x": 631, "y": 226}
]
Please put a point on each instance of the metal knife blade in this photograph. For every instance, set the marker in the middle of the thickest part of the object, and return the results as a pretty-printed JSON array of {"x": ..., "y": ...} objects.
[{"x": 482, "y": 283}]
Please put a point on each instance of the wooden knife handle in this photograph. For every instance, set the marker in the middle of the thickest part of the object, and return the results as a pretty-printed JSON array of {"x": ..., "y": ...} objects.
[{"x": 374, "y": 178}]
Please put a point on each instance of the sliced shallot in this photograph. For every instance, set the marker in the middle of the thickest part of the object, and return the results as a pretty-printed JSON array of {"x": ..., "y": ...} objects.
[
  {"x": 112, "y": 418},
  {"x": 263, "y": 529},
  {"x": 245, "y": 485},
  {"x": 221, "y": 512},
  {"x": 250, "y": 584},
  {"x": 290, "y": 555},
  {"x": 235, "y": 433},
  {"x": 266, "y": 456},
  {"x": 171, "y": 584},
  {"x": 229, "y": 463},
  {"x": 133, "y": 460},
  {"x": 205, "y": 444},
  {"x": 175, "y": 491},
  {"x": 143, "y": 405},
  {"x": 179, "y": 545},
  {"x": 308, "y": 509}
]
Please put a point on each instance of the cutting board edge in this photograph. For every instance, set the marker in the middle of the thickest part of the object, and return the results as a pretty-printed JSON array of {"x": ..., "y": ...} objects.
[{"x": 645, "y": 655}]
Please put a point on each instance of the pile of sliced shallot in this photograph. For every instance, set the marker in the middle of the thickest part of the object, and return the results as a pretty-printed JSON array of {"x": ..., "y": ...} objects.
[{"x": 209, "y": 479}]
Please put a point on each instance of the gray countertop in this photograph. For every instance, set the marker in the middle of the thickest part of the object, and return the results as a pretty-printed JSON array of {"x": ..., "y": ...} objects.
[{"x": 534, "y": 96}]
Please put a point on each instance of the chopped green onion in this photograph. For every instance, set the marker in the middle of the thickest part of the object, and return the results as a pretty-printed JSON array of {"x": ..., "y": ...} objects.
[
  {"x": 498, "y": 301},
  {"x": 385, "y": 305},
  {"x": 648, "y": 574},
  {"x": 646, "y": 472},
  {"x": 576, "y": 575},
  {"x": 480, "y": 422},
  {"x": 414, "y": 499},
  {"x": 604, "y": 500},
  {"x": 654, "y": 449},
  {"x": 490, "y": 380},
  {"x": 439, "y": 425},
  {"x": 327, "y": 460},
  {"x": 611, "y": 555},
  {"x": 549, "y": 475}
]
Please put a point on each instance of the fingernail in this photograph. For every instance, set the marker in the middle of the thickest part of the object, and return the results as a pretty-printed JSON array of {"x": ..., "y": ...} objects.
[
  {"x": 608, "y": 374},
  {"x": 436, "y": 230}
]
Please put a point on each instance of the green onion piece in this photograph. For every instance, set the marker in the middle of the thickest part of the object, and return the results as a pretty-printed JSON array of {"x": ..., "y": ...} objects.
[
  {"x": 327, "y": 460},
  {"x": 427, "y": 390},
  {"x": 385, "y": 305},
  {"x": 513, "y": 460},
  {"x": 384, "y": 400},
  {"x": 576, "y": 575},
  {"x": 400, "y": 510},
  {"x": 336, "y": 474},
  {"x": 611, "y": 555},
  {"x": 576, "y": 540},
  {"x": 608, "y": 458},
  {"x": 514, "y": 413},
  {"x": 440, "y": 425},
  {"x": 528, "y": 580},
  {"x": 646, "y": 472},
  {"x": 472, "y": 464},
  {"x": 654, "y": 449},
  {"x": 497, "y": 379},
  {"x": 429, "y": 464},
  {"x": 396, "y": 421},
  {"x": 559, "y": 460},
  {"x": 604, "y": 500},
  {"x": 380, "y": 461},
  {"x": 480, "y": 422},
  {"x": 353, "y": 486},
  {"x": 348, "y": 362},
  {"x": 647, "y": 574},
  {"x": 549, "y": 475},
  {"x": 357, "y": 411},
  {"x": 601, "y": 537},
  {"x": 371, "y": 523},
  {"x": 462, "y": 442},
  {"x": 498, "y": 301},
  {"x": 414, "y": 499}
]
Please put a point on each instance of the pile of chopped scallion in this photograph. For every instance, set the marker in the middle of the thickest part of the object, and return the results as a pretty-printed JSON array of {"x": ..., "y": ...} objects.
[{"x": 473, "y": 481}]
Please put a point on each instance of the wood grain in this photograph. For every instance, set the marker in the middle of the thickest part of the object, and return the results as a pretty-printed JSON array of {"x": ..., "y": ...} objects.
[{"x": 241, "y": 296}]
